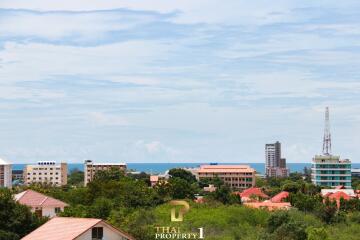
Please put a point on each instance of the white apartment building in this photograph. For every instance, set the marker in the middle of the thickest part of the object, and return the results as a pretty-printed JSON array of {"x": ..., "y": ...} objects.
[
  {"x": 46, "y": 172},
  {"x": 5, "y": 174},
  {"x": 91, "y": 168}
]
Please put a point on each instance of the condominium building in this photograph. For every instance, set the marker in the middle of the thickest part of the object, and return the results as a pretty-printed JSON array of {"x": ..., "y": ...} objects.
[
  {"x": 275, "y": 165},
  {"x": 91, "y": 168},
  {"x": 46, "y": 172},
  {"x": 5, "y": 174},
  {"x": 236, "y": 176},
  {"x": 327, "y": 169},
  {"x": 330, "y": 171}
]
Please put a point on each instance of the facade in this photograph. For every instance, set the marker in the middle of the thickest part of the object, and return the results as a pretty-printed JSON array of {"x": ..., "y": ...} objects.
[
  {"x": 275, "y": 165},
  {"x": 40, "y": 204},
  {"x": 236, "y": 176},
  {"x": 46, "y": 172},
  {"x": 91, "y": 168},
  {"x": 330, "y": 171},
  {"x": 67, "y": 228},
  {"x": 5, "y": 174}
]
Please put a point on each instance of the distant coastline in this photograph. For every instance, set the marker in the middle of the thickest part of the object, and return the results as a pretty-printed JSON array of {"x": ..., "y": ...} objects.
[{"x": 155, "y": 168}]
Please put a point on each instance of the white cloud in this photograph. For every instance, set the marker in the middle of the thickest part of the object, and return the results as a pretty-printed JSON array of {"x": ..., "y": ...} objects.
[
  {"x": 73, "y": 26},
  {"x": 103, "y": 119}
]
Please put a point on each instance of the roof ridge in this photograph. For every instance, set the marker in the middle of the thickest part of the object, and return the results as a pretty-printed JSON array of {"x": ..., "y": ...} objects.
[{"x": 42, "y": 202}]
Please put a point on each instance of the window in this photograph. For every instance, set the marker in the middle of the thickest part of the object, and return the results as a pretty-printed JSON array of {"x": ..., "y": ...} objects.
[
  {"x": 57, "y": 210},
  {"x": 97, "y": 233}
]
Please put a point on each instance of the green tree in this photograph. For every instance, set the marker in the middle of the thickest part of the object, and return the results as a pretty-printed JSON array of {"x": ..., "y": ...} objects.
[
  {"x": 15, "y": 220},
  {"x": 76, "y": 178},
  {"x": 182, "y": 174},
  {"x": 180, "y": 188}
]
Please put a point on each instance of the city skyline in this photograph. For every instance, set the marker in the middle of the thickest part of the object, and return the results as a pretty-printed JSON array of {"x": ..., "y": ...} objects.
[{"x": 146, "y": 81}]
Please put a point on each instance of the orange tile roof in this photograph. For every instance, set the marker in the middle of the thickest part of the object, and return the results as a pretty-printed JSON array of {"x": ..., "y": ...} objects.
[
  {"x": 338, "y": 196},
  {"x": 247, "y": 193},
  {"x": 66, "y": 228},
  {"x": 35, "y": 199},
  {"x": 280, "y": 197}
]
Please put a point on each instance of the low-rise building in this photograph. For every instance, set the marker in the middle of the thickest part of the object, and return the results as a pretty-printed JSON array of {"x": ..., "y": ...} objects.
[
  {"x": 5, "y": 174},
  {"x": 46, "y": 172},
  {"x": 66, "y": 228},
  {"x": 91, "y": 168},
  {"x": 236, "y": 176},
  {"x": 40, "y": 204},
  {"x": 252, "y": 194},
  {"x": 210, "y": 188},
  {"x": 154, "y": 180}
]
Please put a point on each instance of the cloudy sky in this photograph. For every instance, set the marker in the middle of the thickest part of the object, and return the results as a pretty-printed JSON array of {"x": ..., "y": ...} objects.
[{"x": 177, "y": 81}]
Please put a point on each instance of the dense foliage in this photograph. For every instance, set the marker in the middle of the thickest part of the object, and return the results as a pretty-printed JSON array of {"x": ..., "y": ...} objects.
[
  {"x": 15, "y": 220},
  {"x": 128, "y": 202}
]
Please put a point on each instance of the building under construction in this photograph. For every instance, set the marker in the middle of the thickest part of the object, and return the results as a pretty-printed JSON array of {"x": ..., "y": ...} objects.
[{"x": 327, "y": 169}]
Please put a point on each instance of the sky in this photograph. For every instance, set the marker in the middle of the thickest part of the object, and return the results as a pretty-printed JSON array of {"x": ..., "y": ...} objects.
[{"x": 177, "y": 81}]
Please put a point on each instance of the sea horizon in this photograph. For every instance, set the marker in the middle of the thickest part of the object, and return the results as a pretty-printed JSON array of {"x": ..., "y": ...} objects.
[{"x": 158, "y": 168}]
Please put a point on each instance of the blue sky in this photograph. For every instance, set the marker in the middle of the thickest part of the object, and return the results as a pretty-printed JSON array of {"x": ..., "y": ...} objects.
[{"x": 177, "y": 81}]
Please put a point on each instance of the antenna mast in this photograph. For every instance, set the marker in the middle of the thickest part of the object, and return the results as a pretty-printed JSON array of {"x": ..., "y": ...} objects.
[{"x": 327, "y": 134}]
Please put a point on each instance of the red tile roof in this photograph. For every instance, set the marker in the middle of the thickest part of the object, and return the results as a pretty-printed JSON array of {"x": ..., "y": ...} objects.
[
  {"x": 35, "y": 199},
  {"x": 65, "y": 228},
  {"x": 338, "y": 196},
  {"x": 280, "y": 197},
  {"x": 247, "y": 193}
]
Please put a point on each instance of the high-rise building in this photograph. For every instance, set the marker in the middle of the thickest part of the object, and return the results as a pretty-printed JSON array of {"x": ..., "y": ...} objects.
[
  {"x": 275, "y": 165},
  {"x": 91, "y": 168},
  {"x": 46, "y": 172},
  {"x": 5, "y": 174},
  {"x": 236, "y": 176},
  {"x": 327, "y": 169}
]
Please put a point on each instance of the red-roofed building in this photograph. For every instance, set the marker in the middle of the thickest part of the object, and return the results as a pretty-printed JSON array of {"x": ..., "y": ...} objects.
[
  {"x": 252, "y": 194},
  {"x": 65, "y": 228},
  {"x": 40, "y": 204},
  {"x": 280, "y": 197},
  {"x": 337, "y": 196}
]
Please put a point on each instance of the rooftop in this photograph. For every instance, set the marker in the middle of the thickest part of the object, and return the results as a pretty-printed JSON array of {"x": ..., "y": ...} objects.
[
  {"x": 35, "y": 199},
  {"x": 225, "y": 168},
  {"x": 3, "y": 162},
  {"x": 66, "y": 228},
  {"x": 279, "y": 197}
]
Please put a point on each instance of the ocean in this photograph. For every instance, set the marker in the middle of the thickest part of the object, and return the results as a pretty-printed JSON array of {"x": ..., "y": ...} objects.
[{"x": 156, "y": 168}]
